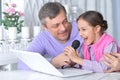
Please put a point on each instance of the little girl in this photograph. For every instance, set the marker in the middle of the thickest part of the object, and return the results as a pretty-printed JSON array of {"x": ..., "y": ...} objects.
[{"x": 97, "y": 42}]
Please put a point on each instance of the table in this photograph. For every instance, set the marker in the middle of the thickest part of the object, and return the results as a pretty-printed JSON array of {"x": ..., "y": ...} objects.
[
  {"x": 8, "y": 59},
  {"x": 30, "y": 75}
]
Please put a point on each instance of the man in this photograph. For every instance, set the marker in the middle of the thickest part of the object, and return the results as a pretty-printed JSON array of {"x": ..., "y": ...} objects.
[
  {"x": 58, "y": 33},
  {"x": 113, "y": 61}
]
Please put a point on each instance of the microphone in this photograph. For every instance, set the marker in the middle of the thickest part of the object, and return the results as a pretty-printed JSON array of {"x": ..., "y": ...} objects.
[{"x": 75, "y": 44}]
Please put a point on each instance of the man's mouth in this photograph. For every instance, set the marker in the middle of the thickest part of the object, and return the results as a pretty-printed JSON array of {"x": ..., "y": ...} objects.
[{"x": 63, "y": 33}]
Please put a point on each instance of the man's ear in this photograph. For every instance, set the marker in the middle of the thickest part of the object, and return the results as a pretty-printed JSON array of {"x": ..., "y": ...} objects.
[
  {"x": 44, "y": 27},
  {"x": 97, "y": 28}
]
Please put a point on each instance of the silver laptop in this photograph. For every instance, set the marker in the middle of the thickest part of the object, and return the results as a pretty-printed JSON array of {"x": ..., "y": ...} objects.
[{"x": 38, "y": 63}]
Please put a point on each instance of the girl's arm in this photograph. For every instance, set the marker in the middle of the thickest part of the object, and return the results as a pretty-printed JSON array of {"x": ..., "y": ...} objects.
[{"x": 92, "y": 65}]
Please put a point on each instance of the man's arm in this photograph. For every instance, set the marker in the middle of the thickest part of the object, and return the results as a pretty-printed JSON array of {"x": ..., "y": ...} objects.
[{"x": 60, "y": 60}]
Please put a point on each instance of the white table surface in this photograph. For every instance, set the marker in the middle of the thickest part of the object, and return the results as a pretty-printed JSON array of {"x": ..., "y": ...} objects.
[
  {"x": 29, "y": 75},
  {"x": 8, "y": 59}
]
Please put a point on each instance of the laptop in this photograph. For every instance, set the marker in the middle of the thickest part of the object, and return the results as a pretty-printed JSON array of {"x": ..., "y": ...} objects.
[{"x": 38, "y": 63}]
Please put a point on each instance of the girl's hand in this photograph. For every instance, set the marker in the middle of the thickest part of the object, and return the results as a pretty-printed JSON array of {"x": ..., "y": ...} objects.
[{"x": 71, "y": 53}]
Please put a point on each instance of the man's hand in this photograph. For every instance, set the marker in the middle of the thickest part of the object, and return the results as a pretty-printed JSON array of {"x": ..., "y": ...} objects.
[
  {"x": 61, "y": 60},
  {"x": 113, "y": 61}
]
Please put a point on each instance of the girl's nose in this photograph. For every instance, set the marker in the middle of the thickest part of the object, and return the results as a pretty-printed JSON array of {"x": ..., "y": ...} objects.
[{"x": 80, "y": 33}]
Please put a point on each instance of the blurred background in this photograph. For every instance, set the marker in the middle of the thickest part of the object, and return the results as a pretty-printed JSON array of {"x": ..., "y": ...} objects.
[{"x": 109, "y": 9}]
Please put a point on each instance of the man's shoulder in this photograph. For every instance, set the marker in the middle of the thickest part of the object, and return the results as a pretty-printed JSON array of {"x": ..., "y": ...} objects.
[
  {"x": 42, "y": 36},
  {"x": 74, "y": 23}
]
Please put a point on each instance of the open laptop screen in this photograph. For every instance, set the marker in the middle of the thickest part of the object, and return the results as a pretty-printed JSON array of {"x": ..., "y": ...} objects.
[{"x": 38, "y": 63}]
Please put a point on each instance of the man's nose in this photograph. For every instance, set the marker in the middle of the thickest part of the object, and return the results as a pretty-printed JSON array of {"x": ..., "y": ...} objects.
[{"x": 62, "y": 27}]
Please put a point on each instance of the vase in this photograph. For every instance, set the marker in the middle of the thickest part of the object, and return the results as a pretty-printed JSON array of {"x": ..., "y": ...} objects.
[
  {"x": 12, "y": 33},
  {"x": 36, "y": 30},
  {"x": 25, "y": 32}
]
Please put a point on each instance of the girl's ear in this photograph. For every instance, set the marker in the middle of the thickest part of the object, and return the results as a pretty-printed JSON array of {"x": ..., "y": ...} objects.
[{"x": 97, "y": 29}]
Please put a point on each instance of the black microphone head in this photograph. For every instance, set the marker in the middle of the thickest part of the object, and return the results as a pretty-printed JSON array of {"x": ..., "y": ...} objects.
[{"x": 75, "y": 44}]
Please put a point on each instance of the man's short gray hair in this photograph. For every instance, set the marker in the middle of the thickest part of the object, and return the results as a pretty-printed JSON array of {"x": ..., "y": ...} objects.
[{"x": 51, "y": 10}]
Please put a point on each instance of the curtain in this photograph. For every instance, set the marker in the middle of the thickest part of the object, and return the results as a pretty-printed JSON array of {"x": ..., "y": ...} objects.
[
  {"x": 109, "y": 9},
  {"x": 116, "y": 20},
  {"x": 104, "y": 6}
]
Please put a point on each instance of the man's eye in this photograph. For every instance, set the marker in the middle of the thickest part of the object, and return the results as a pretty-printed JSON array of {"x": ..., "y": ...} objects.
[
  {"x": 55, "y": 26},
  {"x": 65, "y": 21},
  {"x": 83, "y": 29}
]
